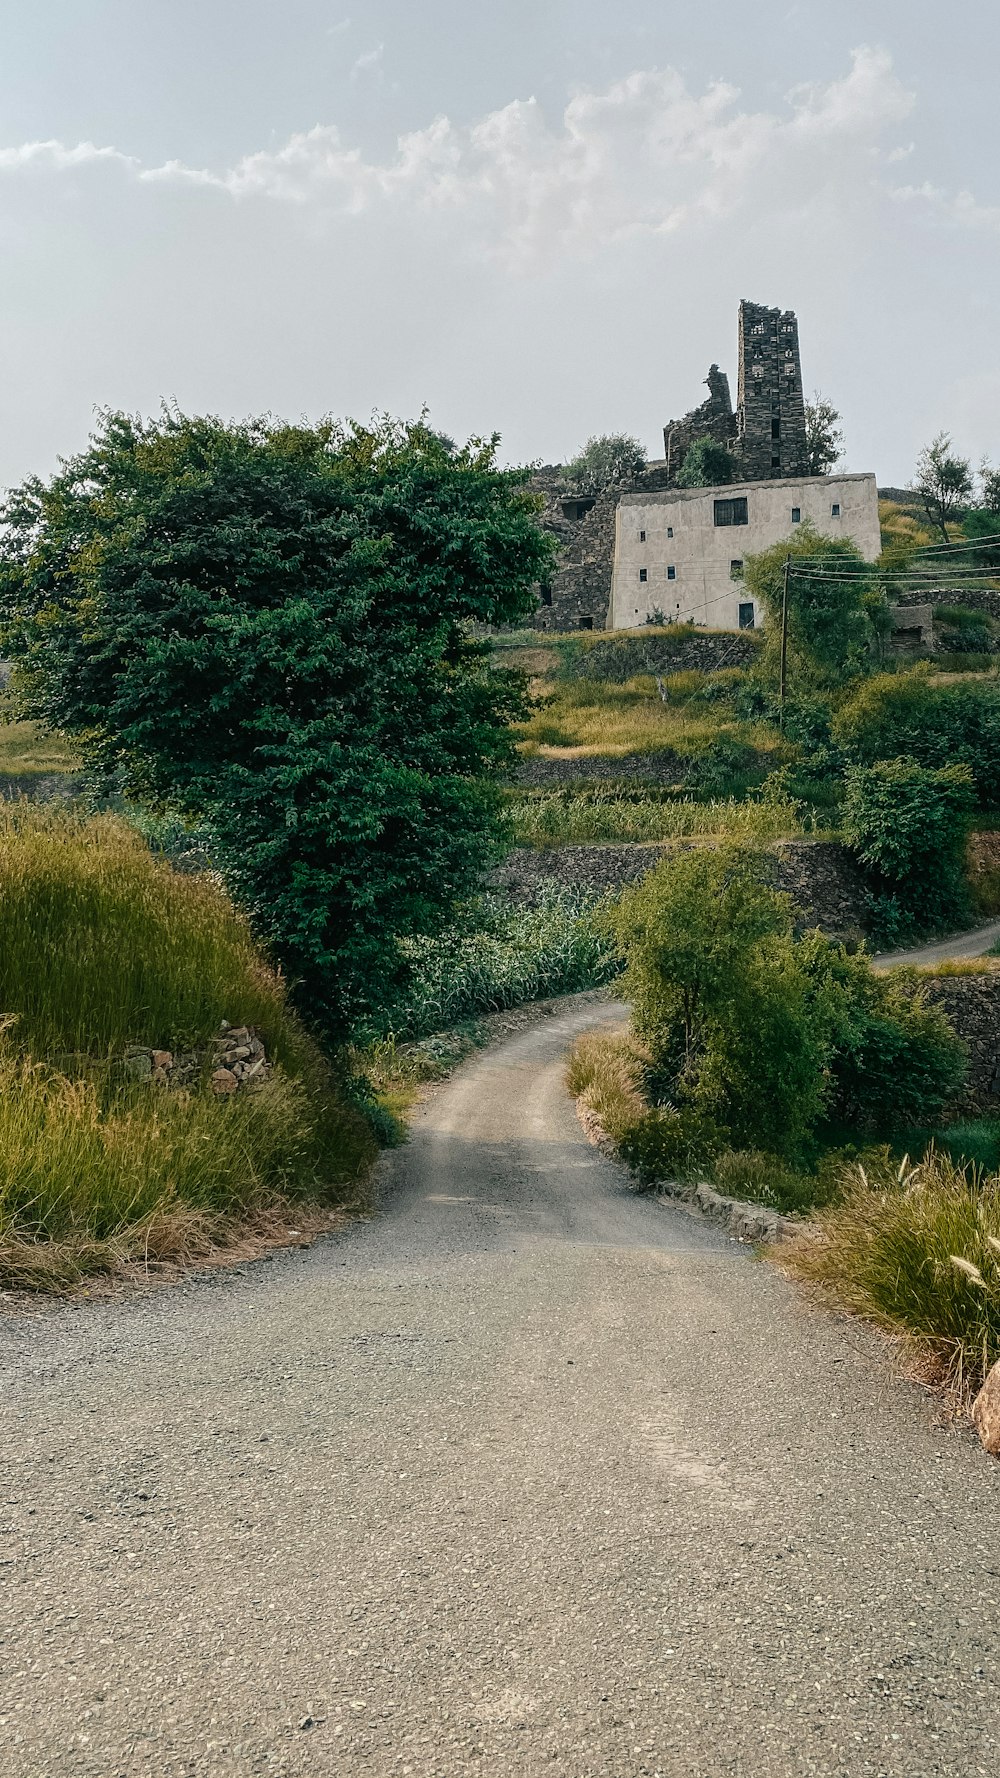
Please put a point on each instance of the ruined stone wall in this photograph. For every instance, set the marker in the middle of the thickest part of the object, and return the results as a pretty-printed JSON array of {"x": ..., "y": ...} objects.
[
  {"x": 974, "y": 599},
  {"x": 714, "y": 420}
]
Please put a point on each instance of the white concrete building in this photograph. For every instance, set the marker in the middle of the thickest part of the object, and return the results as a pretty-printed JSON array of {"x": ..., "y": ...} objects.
[{"x": 681, "y": 551}]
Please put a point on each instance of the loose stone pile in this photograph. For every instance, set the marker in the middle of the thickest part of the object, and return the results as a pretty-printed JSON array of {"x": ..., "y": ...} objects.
[{"x": 236, "y": 1061}]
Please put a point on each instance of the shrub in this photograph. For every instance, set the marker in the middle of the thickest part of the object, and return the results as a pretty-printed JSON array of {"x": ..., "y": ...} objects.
[
  {"x": 907, "y": 823},
  {"x": 918, "y": 1249},
  {"x": 773, "y": 1037},
  {"x": 706, "y": 465},
  {"x": 607, "y": 1072},
  {"x": 829, "y": 630},
  {"x": 913, "y": 714}
]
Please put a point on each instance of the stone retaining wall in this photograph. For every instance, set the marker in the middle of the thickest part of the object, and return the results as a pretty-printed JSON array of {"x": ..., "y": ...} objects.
[
  {"x": 972, "y": 1003},
  {"x": 660, "y": 652},
  {"x": 820, "y": 876},
  {"x": 536, "y": 771}
]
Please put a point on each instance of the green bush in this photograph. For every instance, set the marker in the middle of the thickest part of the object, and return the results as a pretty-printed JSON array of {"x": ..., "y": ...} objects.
[
  {"x": 831, "y": 634},
  {"x": 706, "y": 465},
  {"x": 778, "y": 1040},
  {"x": 913, "y": 714},
  {"x": 907, "y": 823}
]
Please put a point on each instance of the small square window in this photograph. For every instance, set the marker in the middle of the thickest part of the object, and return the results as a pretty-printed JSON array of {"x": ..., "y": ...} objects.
[
  {"x": 642, "y": 574},
  {"x": 671, "y": 574},
  {"x": 642, "y": 536},
  {"x": 796, "y": 515},
  {"x": 586, "y": 623},
  {"x": 736, "y": 570},
  {"x": 775, "y": 462},
  {"x": 835, "y": 510},
  {"x": 670, "y": 530}
]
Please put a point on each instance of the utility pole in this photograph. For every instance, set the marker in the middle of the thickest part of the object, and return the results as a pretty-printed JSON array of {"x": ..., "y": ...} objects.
[{"x": 784, "y": 646}]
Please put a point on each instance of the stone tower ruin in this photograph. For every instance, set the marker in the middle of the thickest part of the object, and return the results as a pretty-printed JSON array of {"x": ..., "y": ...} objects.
[{"x": 770, "y": 415}]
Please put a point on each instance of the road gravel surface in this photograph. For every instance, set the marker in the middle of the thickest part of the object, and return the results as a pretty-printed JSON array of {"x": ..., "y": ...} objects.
[{"x": 525, "y": 1475}]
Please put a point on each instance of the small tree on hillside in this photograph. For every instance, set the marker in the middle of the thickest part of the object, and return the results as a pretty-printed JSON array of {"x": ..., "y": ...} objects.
[
  {"x": 824, "y": 436},
  {"x": 830, "y": 629},
  {"x": 267, "y": 626},
  {"x": 989, "y": 489},
  {"x": 706, "y": 465},
  {"x": 944, "y": 482},
  {"x": 613, "y": 457}
]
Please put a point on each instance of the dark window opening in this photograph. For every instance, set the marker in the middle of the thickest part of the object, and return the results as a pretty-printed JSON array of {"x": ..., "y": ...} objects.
[
  {"x": 586, "y": 623},
  {"x": 835, "y": 510},
  {"x": 545, "y": 593},
  {"x": 642, "y": 574},
  {"x": 642, "y": 536},
  {"x": 775, "y": 462},
  {"x": 576, "y": 509},
  {"x": 670, "y": 530},
  {"x": 732, "y": 512},
  {"x": 775, "y": 426},
  {"x": 671, "y": 574},
  {"x": 796, "y": 515},
  {"x": 735, "y": 570},
  {"x": 746, "y": 615}
]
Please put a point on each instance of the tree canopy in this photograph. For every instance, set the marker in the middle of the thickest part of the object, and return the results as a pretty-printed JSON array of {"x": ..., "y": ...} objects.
[
  {"x": 706, "y": 465},
  {"x": 833, "y": 604},
  {"x": 268, "y": 626},
  {"x": 824, "y": 435},
  {"x": 612, "y": 457},
  {"x": 944, "y": 482}
]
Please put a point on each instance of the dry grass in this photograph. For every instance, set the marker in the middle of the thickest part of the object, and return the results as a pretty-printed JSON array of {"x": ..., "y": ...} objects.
[
  {"x": 588, "y": 717},
  {"x": 558, "y": 819},
  {"x": 917, "y": 1250},
  {"x": 161, "y": 1248},
  {"x": 29, "y": 751}
]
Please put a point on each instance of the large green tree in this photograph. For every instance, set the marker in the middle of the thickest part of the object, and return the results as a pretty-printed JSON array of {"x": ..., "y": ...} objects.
[{"x": 269, "y": 626}]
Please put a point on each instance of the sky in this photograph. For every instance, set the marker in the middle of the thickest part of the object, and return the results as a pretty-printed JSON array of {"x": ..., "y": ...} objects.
[{"x": 532, "y": 217}]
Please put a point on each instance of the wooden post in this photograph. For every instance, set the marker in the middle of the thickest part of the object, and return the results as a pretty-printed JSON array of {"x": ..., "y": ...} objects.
[{"x": 784, "y": 646}]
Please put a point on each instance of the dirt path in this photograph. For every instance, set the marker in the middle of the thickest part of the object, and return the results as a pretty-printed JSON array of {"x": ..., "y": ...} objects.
[
  {"x": 964, "y": 944},
  {"x": 527, "y": 1476}
]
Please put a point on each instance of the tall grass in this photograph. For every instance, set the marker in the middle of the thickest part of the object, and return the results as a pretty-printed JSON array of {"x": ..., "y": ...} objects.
[
  {"x": 918, "y": 1250},
  {"x": 563, "y": 819},
  {"x": 506, "y": 956},
  {"x": 103, "y": 945},
  {"x": 29, "y": 751}
]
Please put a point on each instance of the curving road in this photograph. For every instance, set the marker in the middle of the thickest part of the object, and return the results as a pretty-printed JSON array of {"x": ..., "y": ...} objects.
[{"x": 526, "y": 1476}]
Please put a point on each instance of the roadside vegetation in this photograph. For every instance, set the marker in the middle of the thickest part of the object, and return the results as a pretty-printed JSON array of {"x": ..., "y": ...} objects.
[{"x": 105, "y": 947}]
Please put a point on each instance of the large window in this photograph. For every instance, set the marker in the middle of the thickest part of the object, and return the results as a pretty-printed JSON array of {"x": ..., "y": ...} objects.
[
  {"x": 732, "y": 512},
  {"x": 746, "y": 615}
]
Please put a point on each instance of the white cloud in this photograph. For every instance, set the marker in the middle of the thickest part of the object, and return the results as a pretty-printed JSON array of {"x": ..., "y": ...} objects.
[
  {"x": 368, "y": 63},
  {"x": 645, "y": 156},
  {"x": 58, "y": 158},
  {"x": 958, "y": 208}
]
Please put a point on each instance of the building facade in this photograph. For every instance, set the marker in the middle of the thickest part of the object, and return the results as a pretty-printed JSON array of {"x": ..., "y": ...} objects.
[{"x": 679, "y": 552}]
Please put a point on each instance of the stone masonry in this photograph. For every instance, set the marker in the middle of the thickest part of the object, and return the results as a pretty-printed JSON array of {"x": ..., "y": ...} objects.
[{"x": 765, "y": 433}]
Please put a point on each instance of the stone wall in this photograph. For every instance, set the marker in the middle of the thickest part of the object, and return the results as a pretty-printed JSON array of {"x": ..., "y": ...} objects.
[
  {"x": 820, "y": 876},
  {"x": 771, "y": 421},
  {"x": 236, "y": 1061},
  {"x": 662, "y": 767},
  {"x": 972, "y": 1003},
  {"x": 660, "y": 651},
  {"x": 973, "y": 599}
]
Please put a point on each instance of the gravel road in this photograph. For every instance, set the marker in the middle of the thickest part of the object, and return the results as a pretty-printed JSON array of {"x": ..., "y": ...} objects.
[{"x": 526, "y": 1475}]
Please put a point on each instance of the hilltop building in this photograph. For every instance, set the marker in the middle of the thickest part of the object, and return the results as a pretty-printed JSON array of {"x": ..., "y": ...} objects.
[
  {"x": 604, "y": 580},
  {"x": 679, "y": 554}
]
